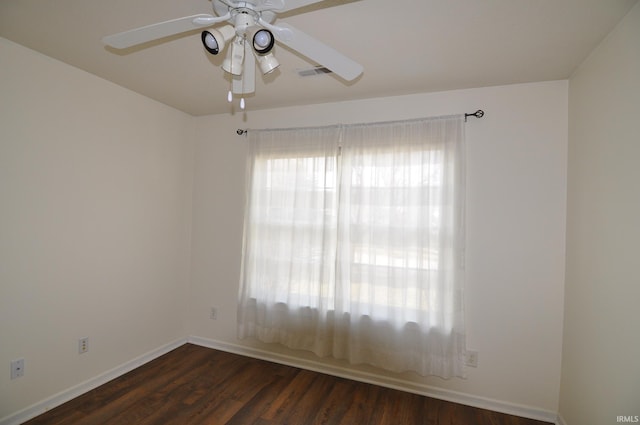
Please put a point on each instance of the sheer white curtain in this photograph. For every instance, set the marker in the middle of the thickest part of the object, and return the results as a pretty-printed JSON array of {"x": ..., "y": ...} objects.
[
  {"x": 288, "y": 268},
  {"x": 354, "y": 243}
]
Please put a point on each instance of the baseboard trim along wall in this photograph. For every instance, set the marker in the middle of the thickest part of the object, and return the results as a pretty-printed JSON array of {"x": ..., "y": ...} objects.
[
  {"x": 456, "y": 397},
  {"x": 561, "y": 420},
  {"x": 399, "y": 384},
  {"x": 84, "y": 387}
]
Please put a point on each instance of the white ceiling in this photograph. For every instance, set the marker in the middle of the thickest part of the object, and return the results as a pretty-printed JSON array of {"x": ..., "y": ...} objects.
[{"x": 405, "y": 46}]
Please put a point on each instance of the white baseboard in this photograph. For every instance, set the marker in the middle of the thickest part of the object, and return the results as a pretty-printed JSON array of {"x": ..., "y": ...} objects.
[
  {"x": 413, "y": 387},
  {"x": 84, "y": 387},
  {"x": 399, "y": 384},
  {"x": 561, "y": 420}
]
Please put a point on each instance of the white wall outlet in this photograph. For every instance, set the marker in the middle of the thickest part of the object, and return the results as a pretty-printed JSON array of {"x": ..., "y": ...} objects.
[
  {"x": 17, "y": 368},
  {"x": 83, "y": 345},
  {"x": 213, "y": 314},
  {"x": 471, "y": 358}
]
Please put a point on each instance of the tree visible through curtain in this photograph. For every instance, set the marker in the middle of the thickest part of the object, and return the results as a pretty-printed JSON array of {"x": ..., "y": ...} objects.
[{"x": 354, "y": 243}]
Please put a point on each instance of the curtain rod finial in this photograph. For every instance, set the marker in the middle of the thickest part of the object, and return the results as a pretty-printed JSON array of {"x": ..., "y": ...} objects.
[{"x": 478, "y": 114}]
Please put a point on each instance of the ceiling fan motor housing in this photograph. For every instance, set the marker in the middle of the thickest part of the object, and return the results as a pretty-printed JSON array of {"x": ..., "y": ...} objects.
[{"x": 243, "y": 20}]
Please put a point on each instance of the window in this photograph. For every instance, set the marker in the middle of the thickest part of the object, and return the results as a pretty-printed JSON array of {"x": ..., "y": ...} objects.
[{"x": 353, "y": 243}]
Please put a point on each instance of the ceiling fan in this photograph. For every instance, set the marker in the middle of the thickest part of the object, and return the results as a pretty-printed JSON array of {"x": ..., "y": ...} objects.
[{"x": 250, "y": 33}]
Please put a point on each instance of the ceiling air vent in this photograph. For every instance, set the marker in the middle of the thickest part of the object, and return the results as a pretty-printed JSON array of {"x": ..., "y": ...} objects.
[{"x": 316, "y": 70}]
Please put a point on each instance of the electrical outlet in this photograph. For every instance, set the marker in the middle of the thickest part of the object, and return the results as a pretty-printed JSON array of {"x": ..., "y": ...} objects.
[
  {"x": 17, "y": 368},
  {"x": 471, "y": 358},
  {"x": 213, "y": 314},
  {"x": 83, "y": 345}
]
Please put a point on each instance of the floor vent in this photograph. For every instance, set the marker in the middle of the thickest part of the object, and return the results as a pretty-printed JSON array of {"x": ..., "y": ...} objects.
[{"x": 316, "y": 70}]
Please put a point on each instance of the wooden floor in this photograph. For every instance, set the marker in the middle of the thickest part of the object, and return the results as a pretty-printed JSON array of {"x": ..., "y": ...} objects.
[{"x": 196, "y": 385}]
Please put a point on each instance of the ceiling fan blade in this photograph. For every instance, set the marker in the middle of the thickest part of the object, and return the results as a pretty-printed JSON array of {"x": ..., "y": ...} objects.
[
  {"x": 294, "y": 4},
  {"x": 317, "y": 51},
  {"x": 160, "y": 30},
  {"x": 245, "y": 83},
  {"x": 262, "y": 5}
]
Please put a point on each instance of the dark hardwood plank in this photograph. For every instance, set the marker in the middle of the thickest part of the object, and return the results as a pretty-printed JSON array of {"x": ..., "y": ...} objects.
[
  {"x": 338, "y": 401},
  {"x": 194, "y": 385}
]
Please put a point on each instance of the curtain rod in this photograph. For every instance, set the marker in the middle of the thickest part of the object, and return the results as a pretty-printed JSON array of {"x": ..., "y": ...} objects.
[{"x": 477, "y": 114}]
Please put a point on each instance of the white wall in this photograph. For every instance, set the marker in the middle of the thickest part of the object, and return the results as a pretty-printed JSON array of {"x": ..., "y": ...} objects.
[
  {"x": 96, "y": 213},
  {"x": 95, "y": 208},
  {"x": 600, "y": 368},
  {"x": 516, "y": 229}
]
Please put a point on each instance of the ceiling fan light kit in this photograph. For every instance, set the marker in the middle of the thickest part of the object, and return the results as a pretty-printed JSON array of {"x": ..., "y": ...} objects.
[
  {"x": 251, "y": 34},
  {"x": 267, "y": 63},
  {"x": 235, "y": 58},
  {"x": 262, "y": 39},
  {"x": 214, "y": 40}
]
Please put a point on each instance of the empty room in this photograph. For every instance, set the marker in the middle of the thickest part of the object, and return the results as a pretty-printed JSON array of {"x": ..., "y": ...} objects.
[{"x": 319, "y": 211}]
